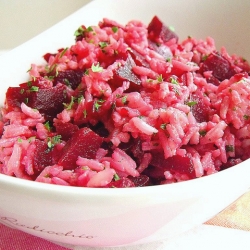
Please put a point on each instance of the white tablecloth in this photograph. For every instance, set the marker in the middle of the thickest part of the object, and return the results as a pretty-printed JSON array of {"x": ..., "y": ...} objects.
[{"x": 205, "y": 237}]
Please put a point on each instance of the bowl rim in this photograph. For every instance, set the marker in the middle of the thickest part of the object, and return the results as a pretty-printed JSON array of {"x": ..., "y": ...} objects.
[{"x": 11, "y": 182}]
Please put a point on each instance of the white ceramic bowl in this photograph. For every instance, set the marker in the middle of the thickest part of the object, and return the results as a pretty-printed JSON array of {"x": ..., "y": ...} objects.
[{"x": 112, "y": 217}]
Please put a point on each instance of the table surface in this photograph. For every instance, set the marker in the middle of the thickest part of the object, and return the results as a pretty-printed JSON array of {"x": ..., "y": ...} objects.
[{"x": 196, "y": 239}]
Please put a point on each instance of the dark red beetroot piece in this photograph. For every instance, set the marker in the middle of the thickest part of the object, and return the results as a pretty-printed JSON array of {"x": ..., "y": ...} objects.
[
  {"x": 230, "y": 163},
  {"x": 126, "y": 73},
  {"x": 47, "y": 56},
  {"x": 220, "y": 67},
  {"x": 71, "y": 78},
  {"x": 14, "y": 98},
  {"x": 84, "y": 143},
  {"x": 42, "y": 156},
  {"x": 124, "y": 182},
  {"x": 140, "y": 181},
  {"x": 175, "y": 164},
  {"x": 200, "y": 110},
  {"x": 162, "y": 49},
  {"x": 139, "y": 59},
  {"x": 158, "y": 30},
  {"x": 49, "y": 101},
  {"x": 66, "y": 130}
]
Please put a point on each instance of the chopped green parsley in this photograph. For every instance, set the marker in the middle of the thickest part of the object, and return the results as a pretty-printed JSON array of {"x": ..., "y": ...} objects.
[
  {"x": 63, "y": 52},
  {"x": 124, "y": 99},
  {"x": 116, "y": 177},
  {"x": 98, "y": 104},
  {"x": 174, "y": 80},
  {"x": 229, "y": 148},
  {"x": 160, "y": 78},
  {"x": 114, "y": 29},
  {"x": 202, "y": 132},
  {"x": 191, "y": 103},
  {"x": 52, "y": 141},
  {"x": 163, "y": 126},
  {"x": 34, "y": 88},
  {"x": 69, "y": 106},
  {"x": 103, "y": 44},
  {"x": 96, "y": 68},
  {"x": 47, "y": 126}
]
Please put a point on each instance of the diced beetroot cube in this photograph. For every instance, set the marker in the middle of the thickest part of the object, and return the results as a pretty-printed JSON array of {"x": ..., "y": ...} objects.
[
  {"x": 230, "y": 163},
  {"x": 42, "y": 156},
  {"x": 84, "y": 143},
  {"x": 66, "y": 130},
  {"x": 116, "y": 81},
  {"x": 71, "y": 78},
  {"x": 47, "y": 56},
  {"x": 175, "y": 164},
  {"x": 163, "y": 50},
  {"x": 139, "y": 59},
  {"x": 49, "y": 101},
  {"x": 155, "y": 174},
  {"x": 156, "y": 30},
  {"x": 220, "y": 67},
  {"x": 14, "y": 97},
  {"x": 126, "y": 73},
  {"x": 122, "y": 183},
  {"x": 141, "y": 181},
  {"x": 200, "y": 110}
]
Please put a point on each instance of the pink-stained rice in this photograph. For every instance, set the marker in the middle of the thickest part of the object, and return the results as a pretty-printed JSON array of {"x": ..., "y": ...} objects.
[{"x": 164, "y": 110}]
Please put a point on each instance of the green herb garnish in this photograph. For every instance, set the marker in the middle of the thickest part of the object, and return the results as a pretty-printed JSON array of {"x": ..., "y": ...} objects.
[
  {"x": 96, "y": 68},
  {"x": 98, "y": 104},
  {"x": 34, "y": 88},
  {"x": 229, "y": 148},
  {"x": 63, "y": 52},
  {"x": 69, "y": 106},
  {"x": 124, "y": 99},
  {"x": 246, "y": 117},
  {"x": 103, "y": 44},
  {"x": 89, "y": 29},
  {"x": 116, "y": 177},
  {"x": 52, "y": 141},
  {"x": 171, "y": 28},
  {"x": 79, "y": 31},
  {"x": 202, "y": 132},
  {"x": 47, "y": 126},
  {"x": 79, "y": 99},
  {"x": 31, "y": 138},
  {"x": 174, "y": 80},
  {"x": 163, "y": 126},
  {"x": 19, "y": 140},
  {"x": 191, "y": 103},
  {"x": 204, "y": 58},
  {"x": 160, "y": 78},
  {"x": 114, "y": 29},
  {"x": 85, "y": 113}
]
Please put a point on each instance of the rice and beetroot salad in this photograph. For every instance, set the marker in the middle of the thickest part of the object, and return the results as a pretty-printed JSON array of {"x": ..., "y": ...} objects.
[{"x": 128, "y": 106}]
